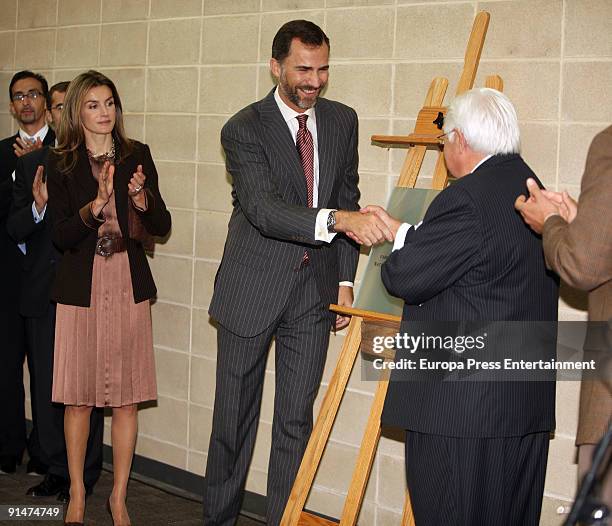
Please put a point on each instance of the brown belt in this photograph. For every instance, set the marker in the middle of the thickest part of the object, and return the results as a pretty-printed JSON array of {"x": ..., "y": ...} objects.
[{"x": 108, "y": 245}]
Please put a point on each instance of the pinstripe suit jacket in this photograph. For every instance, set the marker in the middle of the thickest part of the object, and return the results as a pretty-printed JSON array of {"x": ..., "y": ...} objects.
[
  {"x": 473, "y": 258},
  {"x": 271, "y": 224}
]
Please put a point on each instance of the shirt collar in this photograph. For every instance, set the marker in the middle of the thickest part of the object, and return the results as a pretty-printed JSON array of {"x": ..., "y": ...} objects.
[
  {"x": 289, "y": 113},
  {"x": 482, "y": 161},
  {"x": 40, "y": 134}
]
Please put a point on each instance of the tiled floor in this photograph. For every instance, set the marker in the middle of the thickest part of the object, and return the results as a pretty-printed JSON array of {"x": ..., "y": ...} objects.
[{"x": 148, "y": 506}]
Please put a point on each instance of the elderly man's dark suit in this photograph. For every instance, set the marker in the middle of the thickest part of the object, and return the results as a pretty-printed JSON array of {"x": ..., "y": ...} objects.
[
  {"x": 263, "y": 289},
  {"x": 475, "y": 451},
  {"x": 13, "y": 349},
  {"x": 38, "y": 311}
]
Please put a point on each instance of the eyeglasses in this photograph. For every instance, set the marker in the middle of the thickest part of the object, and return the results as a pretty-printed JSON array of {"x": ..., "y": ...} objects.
[
  {"x": 442, "y": 138},
  {"x": 32, "y": 95}
]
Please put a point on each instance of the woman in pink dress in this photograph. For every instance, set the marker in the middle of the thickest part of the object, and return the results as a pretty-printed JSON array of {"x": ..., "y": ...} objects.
[{"x": 105, "y": 207}]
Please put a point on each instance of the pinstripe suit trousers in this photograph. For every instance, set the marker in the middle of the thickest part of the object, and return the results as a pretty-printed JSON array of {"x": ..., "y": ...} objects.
[
  {"x": 301, "y": 333},
  {"x": 476, "y": 481}
]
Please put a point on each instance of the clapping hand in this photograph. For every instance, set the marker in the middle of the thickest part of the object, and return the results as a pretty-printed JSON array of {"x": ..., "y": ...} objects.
[
  {"x": 105, "y": 187},
  {"x": 568, "y": 207},
  {"x": 22, "y": 147},
  {"x": 39, "y": 189},
  {"x": 542, "y": 204},
  {"x": 136, "y": 187}
]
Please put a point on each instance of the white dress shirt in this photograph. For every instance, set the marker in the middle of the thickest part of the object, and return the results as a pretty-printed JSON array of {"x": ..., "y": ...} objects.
[
  {"x": 290, "y": 116},
  {"x": 40, "y": 134}
]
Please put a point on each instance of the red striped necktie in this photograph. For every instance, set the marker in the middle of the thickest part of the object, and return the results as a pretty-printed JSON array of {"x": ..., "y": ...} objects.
[{"x": 305, "y": 147}]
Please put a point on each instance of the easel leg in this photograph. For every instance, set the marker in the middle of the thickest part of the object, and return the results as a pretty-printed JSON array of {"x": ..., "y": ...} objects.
[
  {"x": 407, "y": 517},
  {"x": 412, "y": 166},
  {"x": 440, "y": 177},
  {"x": 369, "y": 444}
]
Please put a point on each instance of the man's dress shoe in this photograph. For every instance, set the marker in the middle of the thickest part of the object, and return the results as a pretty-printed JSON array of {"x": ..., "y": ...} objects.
[
  {"x": 51, "y": 485},
  {"x": 36, "y": 467},
  {"x": 8, "y": 465}
]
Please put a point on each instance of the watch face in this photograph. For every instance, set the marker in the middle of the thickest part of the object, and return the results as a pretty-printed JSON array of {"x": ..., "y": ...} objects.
[{"x": 331, "y": 221}]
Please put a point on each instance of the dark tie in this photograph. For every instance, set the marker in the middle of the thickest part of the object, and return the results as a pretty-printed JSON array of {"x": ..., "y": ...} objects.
[{"x": 305, "y": 147}]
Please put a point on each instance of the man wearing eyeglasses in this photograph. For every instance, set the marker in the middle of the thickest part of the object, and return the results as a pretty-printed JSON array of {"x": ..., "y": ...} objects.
[
  {"x": 29, "y": 223},
  {"x": 27, "y": 92},
  {"x": 28, "y": 96},
  {"x": 476, "y": 451}
]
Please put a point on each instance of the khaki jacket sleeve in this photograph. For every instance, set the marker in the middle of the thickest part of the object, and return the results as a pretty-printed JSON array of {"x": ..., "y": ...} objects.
[{"x": 581, "y": 252}]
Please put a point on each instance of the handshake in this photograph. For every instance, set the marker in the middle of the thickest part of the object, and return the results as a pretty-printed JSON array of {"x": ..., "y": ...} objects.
[{"x": 369, "y": 226}]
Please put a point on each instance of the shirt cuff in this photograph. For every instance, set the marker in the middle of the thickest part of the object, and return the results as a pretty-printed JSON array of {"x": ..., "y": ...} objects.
[
  {"x": 321, "y": 233},
  {"x": 88, "y": 217},
  {"x": 400, "y": 236},
  {"x": 346, "y": 284},
  {"x": 146, "y": 207},
  {"x": 38, "y": 217}
]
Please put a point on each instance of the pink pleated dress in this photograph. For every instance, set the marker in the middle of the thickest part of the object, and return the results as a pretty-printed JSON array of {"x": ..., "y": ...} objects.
[{"x": 104, "y": 353}]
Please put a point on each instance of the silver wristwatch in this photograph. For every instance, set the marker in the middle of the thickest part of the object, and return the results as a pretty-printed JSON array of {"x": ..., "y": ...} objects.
[{"x": 331, "y": 222}]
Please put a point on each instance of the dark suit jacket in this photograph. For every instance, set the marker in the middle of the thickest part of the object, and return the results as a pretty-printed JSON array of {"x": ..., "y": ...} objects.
[
  {"x": 8, "y": 159},
  {"x": 68, "y": 193},
  {"x": 41, "y": 256},
  {"x": 6, "y": 191},
  {"x": 12, "y": 258},
  {"x": 473, "y": 258},
  {"x": 271, "y": 225}
]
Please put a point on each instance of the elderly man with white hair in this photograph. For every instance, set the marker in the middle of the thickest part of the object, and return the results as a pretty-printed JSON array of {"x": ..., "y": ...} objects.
[{"x": 476, "y": 451}]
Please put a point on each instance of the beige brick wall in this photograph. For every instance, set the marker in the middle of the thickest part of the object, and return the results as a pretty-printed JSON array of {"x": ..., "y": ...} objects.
[{"x": 184, "y": 66}]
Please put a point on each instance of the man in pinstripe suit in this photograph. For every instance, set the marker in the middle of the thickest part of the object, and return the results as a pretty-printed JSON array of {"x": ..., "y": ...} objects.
[
  {"x": 294, "y": 171},
  {"x": 476, "y": 451}
]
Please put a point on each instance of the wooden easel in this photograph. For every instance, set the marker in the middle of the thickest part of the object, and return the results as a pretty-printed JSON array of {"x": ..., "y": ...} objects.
[{"x": 425, "y": 136}]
